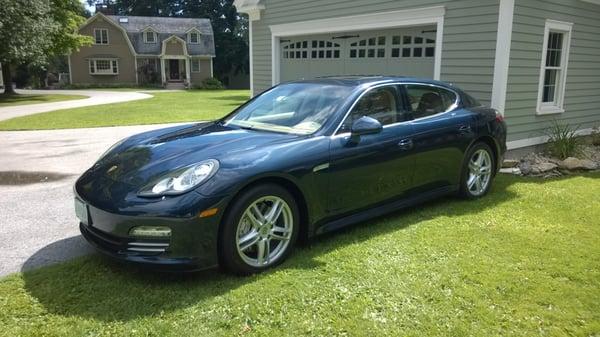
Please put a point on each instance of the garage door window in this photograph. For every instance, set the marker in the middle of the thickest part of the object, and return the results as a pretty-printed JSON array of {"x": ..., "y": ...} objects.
[
  {"x": 412, "y": 46},
  {"x": 371, "y": 47},
  {"x": 296, "y": 50},
  {"x": 325, "y": 50},
  {"x": 316, "y": 49},
  {"x": 429, "y": 100}
]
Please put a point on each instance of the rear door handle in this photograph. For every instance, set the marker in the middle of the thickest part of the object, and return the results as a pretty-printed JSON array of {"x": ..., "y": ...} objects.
[
  {"x": 406, "y": 144},
  {"x": 464, "y": 129}
]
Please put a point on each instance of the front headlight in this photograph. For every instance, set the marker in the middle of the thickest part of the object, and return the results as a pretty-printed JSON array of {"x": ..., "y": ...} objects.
[{"x": 182, "y": 180}]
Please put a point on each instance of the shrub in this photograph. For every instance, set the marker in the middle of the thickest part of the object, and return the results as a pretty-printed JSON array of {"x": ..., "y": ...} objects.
[
  {"x": 212, "y": 83},
  {"x": 110, "y": 86},
  {"x": 148, "y": 74},
  {"x": 563, "y": 141}
]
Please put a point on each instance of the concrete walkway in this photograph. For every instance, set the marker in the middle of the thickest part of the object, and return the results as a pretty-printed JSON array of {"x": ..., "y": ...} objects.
[
  {"x": 96, "y": 97},
  {"x": 37, "y": 172}
]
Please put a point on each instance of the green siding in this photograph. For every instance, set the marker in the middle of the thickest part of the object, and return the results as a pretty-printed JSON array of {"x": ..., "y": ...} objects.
[
  {"x": 469, "y": 40},
  {"x": 582, "y": 95}
]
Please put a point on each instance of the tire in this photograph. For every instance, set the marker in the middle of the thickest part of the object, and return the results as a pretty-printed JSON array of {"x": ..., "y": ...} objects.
[
  {"x": 472, "y": 171},
  {"x": 250, "y": 244}
]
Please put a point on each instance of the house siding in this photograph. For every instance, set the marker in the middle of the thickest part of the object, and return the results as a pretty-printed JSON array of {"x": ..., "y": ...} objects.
[
  {"x": 197, "y": 78},
  {"x": 468, "y": 46},
  {"x": 174, "y": 47},
  {"x": 117, "y": 46},
  {"x": 582, "y": 90}
]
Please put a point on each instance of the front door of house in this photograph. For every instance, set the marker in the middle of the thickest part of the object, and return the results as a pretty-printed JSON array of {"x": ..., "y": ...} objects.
[{"x": 174, "y": 69}]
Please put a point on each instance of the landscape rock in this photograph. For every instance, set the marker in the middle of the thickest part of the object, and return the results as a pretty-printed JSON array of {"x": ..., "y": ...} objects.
[
  {"x": 525, "y": 168},
  {"x": 543, "y": 167},
  {"x": 511, "y": 170},
  {"x": 508, "y": 163},
  {"x": 573, "y": 163}
]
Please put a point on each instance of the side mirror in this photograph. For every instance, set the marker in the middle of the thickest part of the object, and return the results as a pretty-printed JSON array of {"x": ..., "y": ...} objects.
[{"x": 365, "y": 126}]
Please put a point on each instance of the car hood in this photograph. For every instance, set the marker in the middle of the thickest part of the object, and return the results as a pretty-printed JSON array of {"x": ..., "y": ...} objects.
[{"x": 146, "y": 157}]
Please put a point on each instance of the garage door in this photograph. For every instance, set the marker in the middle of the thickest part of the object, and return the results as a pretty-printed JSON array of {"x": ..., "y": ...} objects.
[{"x": 405, "y": 51}]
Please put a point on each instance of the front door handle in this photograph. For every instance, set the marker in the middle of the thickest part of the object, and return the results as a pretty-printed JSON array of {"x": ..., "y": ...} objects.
[{"x": 406, "y": 144}]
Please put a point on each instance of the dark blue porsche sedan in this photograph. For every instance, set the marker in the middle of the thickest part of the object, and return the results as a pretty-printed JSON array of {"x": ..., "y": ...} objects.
[{"x": 301, "y": 159}]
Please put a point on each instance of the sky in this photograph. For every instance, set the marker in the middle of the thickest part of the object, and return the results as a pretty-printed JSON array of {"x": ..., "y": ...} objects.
[{"x": 90, "y": 8}]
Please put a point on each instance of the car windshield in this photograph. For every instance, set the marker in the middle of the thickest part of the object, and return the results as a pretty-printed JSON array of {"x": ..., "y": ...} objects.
[{"x": 297, "y": 108}]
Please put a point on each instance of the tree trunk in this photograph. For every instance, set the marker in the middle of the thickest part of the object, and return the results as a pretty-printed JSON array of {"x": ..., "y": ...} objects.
[{"x": 7, "y": 77}]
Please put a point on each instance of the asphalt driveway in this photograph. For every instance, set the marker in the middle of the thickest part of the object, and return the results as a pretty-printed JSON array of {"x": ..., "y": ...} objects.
[{"x": 37, "y": 172}]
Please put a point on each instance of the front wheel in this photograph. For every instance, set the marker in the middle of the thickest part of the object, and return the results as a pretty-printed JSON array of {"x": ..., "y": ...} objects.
[
  {"x": 477, "y": 172},
  {"x": 259, "y": 230}
]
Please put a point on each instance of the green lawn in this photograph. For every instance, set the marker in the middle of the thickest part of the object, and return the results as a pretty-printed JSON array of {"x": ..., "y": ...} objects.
[
  {"x": 12, "y": 100},
  {"x": 524, "y": 261},
  {"x": 164, "y": 107}
]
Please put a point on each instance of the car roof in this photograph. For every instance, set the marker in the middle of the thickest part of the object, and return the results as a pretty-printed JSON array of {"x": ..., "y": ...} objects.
[{"x": 369, "y": 80}]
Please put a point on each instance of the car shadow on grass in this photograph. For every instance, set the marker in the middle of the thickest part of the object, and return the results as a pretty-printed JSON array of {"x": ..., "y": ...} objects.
[{"x": 97, "y": 288}]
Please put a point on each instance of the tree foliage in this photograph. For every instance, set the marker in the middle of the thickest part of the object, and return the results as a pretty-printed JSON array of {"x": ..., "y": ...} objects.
[
  {"x": 33, "y": 31},
  {"x": 24, "y": 29},
  {"x": 69, "y": 14}
]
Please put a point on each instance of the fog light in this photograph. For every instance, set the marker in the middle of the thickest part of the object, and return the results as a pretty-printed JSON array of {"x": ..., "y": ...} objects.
[{"x": 151, "y": 231}]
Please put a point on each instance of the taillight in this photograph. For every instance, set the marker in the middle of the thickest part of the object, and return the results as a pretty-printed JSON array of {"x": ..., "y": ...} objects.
[{"x": 499, "y": 117}]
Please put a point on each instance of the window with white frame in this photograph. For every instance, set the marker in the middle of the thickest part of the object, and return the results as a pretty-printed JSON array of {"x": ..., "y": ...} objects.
[
  {"x": 195, "y": 65},
  {"x": 553, "y": 72},
  {"x": 149, "y": 36},
  {"x": 194, "y": 37},
  {"x": 101, "y": 35},
  {"x": 104, "y": 66}
]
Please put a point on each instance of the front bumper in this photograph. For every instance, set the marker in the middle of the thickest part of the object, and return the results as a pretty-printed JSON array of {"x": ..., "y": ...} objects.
[{"x": 191, "y": 246}]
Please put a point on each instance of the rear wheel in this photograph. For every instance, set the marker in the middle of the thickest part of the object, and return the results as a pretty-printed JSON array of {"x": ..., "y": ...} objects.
[
  {"x": 259, "y": 230},
  {"x": 478, "y": 171}
]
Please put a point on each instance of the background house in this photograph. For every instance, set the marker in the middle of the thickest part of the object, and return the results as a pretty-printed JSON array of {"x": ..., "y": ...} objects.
[
  {"x": 532, "y": 60},
  {"x": 131, "y": 50}
]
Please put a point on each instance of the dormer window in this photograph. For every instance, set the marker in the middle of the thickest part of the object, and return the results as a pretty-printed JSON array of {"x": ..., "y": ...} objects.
[
  {"x": 149, "y": 36},
  {"x": 101, "y": 36},
  {"x": 194, "y": 37}
]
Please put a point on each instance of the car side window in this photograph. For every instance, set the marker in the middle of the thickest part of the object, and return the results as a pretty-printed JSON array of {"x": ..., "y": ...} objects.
[
  {"x": 379, "y": 103},
  {"x": 427, "y": 100}
]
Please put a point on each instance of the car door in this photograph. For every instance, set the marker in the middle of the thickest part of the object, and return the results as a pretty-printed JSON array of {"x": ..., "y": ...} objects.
[
  {"x": 442, "y": 132},
  {"x": 368, "y": 169}
]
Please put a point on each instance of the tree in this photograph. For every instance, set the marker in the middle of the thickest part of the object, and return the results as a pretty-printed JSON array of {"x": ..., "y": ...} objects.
[
  {"x": 32, "y": 31},
  {"x": 141, "y": 8},
  {"x": 230, "y": 33}
]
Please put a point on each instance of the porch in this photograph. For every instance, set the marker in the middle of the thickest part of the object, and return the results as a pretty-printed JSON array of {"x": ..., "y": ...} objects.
[{"x": 175, "y": 71}]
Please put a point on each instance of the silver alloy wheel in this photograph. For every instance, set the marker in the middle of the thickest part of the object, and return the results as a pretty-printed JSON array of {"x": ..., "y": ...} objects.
[
  {"x": 480, "y": 172},
  {"x": 264, "y": 231}
]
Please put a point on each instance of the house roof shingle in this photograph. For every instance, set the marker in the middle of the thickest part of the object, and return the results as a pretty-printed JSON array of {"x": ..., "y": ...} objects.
[{"x": 165, "y": 28}]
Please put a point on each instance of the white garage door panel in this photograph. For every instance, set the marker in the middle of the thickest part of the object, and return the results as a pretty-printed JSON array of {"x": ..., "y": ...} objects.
[{"x": 406, "y": 51}]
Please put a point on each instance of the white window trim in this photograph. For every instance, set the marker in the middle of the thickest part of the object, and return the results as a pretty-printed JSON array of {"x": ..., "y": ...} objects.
[
  {"x": 192, "y": 66},
  {"x": 145, "y": 33},
  {"x": 557, "y": 106},
  {"x": 103, "y": 72},
  {"x": 107, "y": 36},
  {"x": 391, "y": 19},
  {"x": 189, "y": 36}
]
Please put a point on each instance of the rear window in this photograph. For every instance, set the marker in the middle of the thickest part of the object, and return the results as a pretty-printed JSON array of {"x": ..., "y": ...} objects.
[{"x": 428, "y": 100}]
